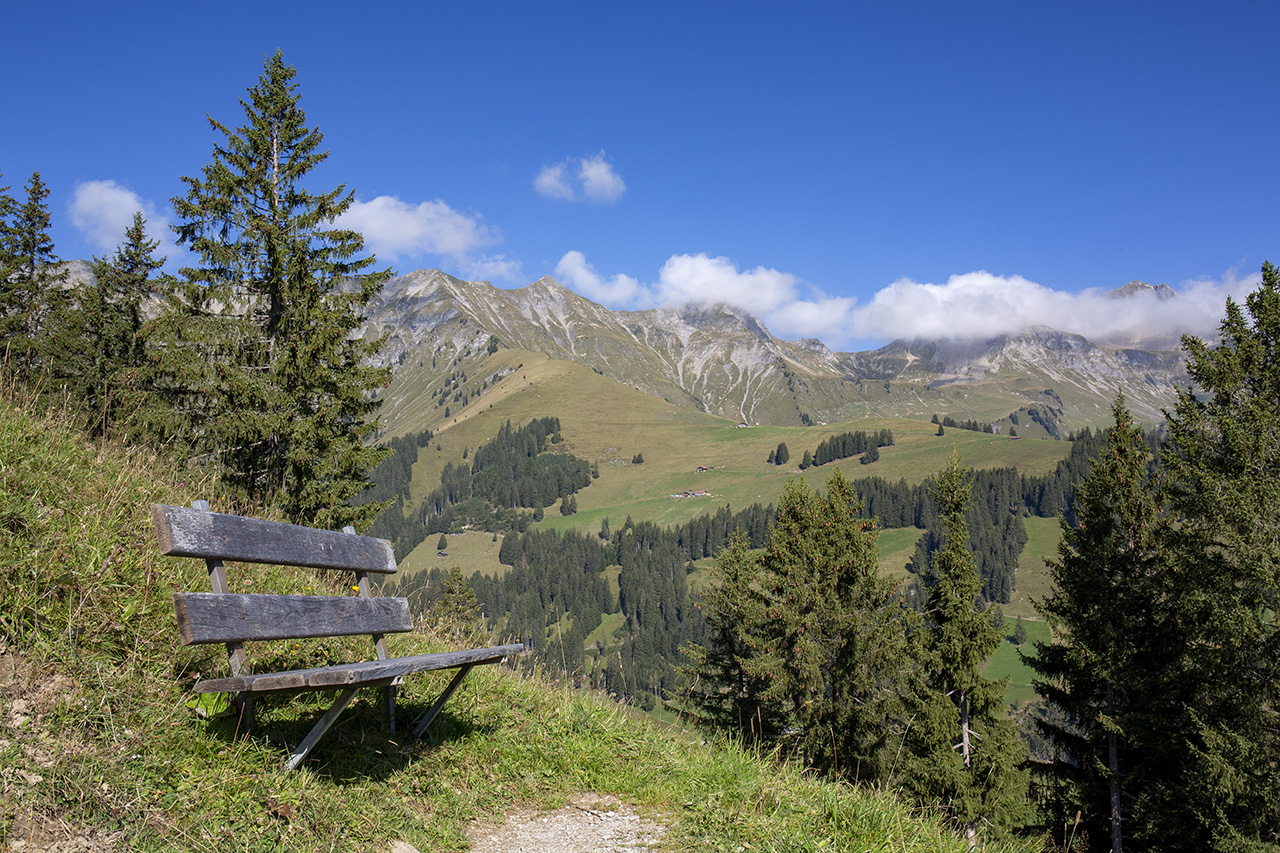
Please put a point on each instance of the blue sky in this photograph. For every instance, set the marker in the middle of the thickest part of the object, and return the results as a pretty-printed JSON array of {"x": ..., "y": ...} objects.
[{"x": 851, "y": 172}]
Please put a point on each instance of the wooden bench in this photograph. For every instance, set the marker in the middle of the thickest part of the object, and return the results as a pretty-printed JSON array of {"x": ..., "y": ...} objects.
[{"x": 225, "y": 617}]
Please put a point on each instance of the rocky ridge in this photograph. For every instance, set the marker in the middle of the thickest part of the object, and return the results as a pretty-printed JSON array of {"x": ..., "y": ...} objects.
[{"x": 724, "y": 361}]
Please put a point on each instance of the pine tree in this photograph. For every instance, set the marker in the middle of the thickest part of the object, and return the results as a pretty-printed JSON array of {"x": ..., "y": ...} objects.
[
  {"x": 1109, "y": 670},
  {"x": 723, "y": 692},
  {"x": 1223, "y": 461},
  {"x": 259, "y": 352},
  {"x": 8, "y": 248},
  {"x": 31, "y": 292},
  {"x": 966, "y": 752},
  {"x": 457, "y": 610},
  {"x": 835, "y": 647},
  {"x": 111, "y": 354}
]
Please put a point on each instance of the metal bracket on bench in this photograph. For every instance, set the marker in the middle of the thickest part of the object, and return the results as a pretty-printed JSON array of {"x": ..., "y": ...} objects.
[{"x": 426, "y": 721}]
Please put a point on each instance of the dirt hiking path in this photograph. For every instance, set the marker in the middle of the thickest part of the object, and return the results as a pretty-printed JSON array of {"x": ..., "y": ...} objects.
[{"x": 591, "y": 823}]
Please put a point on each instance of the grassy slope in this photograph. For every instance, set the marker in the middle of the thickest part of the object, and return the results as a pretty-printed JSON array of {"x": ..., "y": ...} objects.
[
  {"x": 1033, "y": 581},
  {"x": 1006, "y": 663},
  {"x": 474, "y": 551},
  {"x": 96, "y": 739},
  {"x": 608, "y": 424}
]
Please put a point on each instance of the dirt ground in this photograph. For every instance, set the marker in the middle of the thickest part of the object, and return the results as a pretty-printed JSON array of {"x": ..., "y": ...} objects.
[{"x": 591, "y": 823}]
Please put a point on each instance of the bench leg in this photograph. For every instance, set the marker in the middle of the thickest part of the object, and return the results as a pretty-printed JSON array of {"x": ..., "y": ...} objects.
[
  {"x": 245, "y": 704},
  {"x": 389, "y": 706},
  {"x": 330, "y": 717},
  {"x": 444, "y": 697}
]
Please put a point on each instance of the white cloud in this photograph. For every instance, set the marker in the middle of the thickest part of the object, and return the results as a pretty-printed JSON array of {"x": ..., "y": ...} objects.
[
  {"x": 103, "y": 210},
  {"x": 705, "y": 280},
  {"x": 581, "y": 179},
  {"x": 396, "y": 229},
  {"x": 973, "y": 305},
  {"x": 599, "y": 181},
  {"x": 772, "y": 295},
  {"x": 982, "y": 305},
  {"x": 552, "y": 183},
  {"x": 491, "y": 268},
  {"x": 399, "y": 231},
  {"x": 620, "y": 291}
]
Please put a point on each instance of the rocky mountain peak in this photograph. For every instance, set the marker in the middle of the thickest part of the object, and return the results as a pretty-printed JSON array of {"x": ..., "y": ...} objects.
[{"x": 1143, "y": 289}]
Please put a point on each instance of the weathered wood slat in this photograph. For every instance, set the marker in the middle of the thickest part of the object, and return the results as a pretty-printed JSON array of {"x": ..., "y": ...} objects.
[
  {"x": 207, "y": 617},
  {"x": 364, "y": 673},
  {"x": 186, "y": 532}
]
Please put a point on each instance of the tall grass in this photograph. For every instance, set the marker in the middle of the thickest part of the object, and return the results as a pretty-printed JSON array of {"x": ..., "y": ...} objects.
[{"x": 97, "y": 738}]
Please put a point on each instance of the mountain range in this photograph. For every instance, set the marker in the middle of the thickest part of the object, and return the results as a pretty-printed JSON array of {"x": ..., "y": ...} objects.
[{"x": 720, "y": 360}]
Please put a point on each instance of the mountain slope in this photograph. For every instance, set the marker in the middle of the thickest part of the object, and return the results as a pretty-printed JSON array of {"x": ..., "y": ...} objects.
[{"x": 725, "y": 362}]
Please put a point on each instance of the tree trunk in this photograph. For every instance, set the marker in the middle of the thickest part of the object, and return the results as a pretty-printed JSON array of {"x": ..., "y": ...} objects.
[
  {"x": 970, "y": 827},
  {"x": 1113, "y": 766}
]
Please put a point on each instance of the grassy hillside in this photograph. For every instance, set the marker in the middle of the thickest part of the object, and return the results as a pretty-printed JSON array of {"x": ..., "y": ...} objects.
[
  {"x": 1007, "y": 663},
  {"x": 608, "y": 424},
  {"x": 474, "y": 551},
  {"x": 99, "y": 748},
  {"x": 1033, "y": 582}
]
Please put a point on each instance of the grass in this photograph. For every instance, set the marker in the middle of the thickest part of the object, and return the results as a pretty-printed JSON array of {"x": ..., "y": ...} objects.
[
  {"x": 97, "y": 741},
  {"x": 1032, "y": 582},
  {"x": 1006, "y": 662},
  {"x": 897, "y": 547},
  {"x": 475, "y": 551}
]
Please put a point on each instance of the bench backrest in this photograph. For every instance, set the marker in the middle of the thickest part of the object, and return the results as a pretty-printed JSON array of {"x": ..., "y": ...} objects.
[
  {"x": 233, "y": 618},
  {"x": 187, "y": 532}
]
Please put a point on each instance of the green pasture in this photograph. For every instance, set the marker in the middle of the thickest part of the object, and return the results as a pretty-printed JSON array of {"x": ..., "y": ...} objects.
[
  {"x": 473, "y": 550},
  {"x": 1005, "y": 661},
  {"x": 608, "y": 424},
  {"x": 1032, "y": 581}
]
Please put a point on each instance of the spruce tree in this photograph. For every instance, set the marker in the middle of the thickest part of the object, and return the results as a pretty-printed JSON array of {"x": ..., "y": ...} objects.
[
  {"x": 835, "y": 644},
  {"x": 111, "y": 354},
  {"x": 31, "y": 292},
  {"x": 1110, "y": 673},
  {"x": 1223, "y": 460},
  {"x": 966, "y": 751},
  {"x": 457, "y": 610},
  {"x": 259, "y": 352},
  {"x": 8, "y": 248},
  {"x": 724, "y": 694}
]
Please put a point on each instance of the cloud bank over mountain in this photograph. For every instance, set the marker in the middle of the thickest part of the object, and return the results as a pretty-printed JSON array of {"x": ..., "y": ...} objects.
[
  {"x": 975, "y": 305},
  {"x": 399, "y": 231}
]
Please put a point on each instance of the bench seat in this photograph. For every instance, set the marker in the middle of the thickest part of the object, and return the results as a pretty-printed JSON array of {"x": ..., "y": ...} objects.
[{"x": 369, "y": 673}]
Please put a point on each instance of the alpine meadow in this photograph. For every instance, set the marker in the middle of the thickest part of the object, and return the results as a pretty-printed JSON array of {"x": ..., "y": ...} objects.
[{"x": 1016, "y": 593}]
